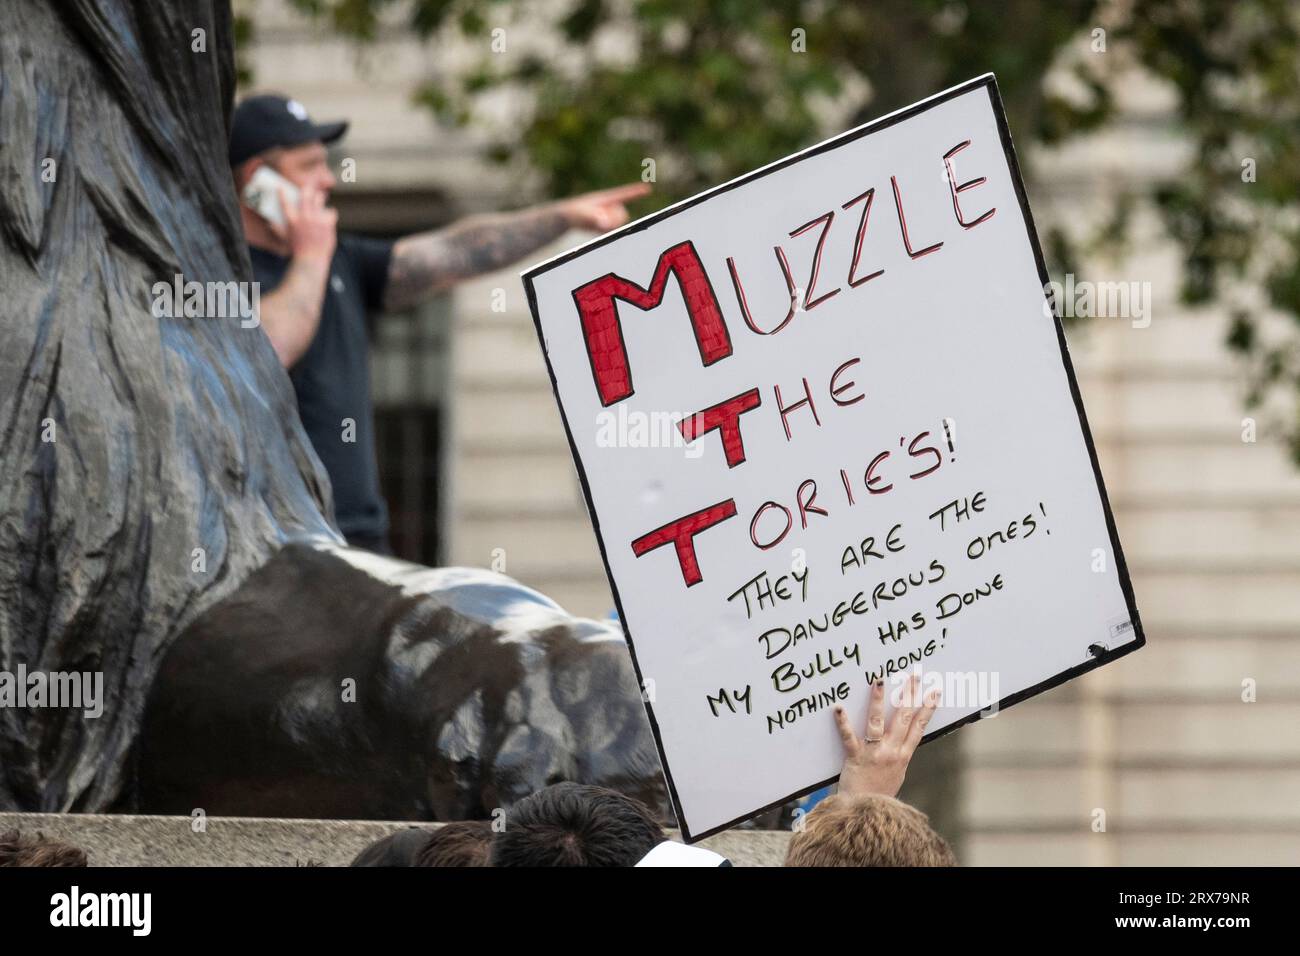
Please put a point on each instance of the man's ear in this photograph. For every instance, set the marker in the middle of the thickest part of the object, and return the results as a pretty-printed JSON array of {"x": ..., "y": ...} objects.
[{"x": 244, "y": 172}]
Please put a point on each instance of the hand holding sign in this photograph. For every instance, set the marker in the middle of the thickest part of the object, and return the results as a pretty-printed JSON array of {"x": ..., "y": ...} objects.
[{"x": 878, "y": 762}]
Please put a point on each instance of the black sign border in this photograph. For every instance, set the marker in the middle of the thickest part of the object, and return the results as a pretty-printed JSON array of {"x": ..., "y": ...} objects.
[{"x": 1105, "y": 656}]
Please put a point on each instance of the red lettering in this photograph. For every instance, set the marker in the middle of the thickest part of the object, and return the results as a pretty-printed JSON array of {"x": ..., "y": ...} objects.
[
  {"x": 902, "y": 224},
  {"x": 603, "y": 333},
  {"x": 785, "y": 411},
  {"x": 969, "y": 184},
  {"x": 828, "y": 218},
  {"x": 862, "y": 232},
  {"x": 753, "y": 525},
  {"x": 835, "y": 390},
  {"x": 871, "y": 477},
  {"x": 744, "y": 303},
  {"x": 681, "y": 534},
  {"x": 725, "y": 417},
  {"x": 807, "y": 506}
]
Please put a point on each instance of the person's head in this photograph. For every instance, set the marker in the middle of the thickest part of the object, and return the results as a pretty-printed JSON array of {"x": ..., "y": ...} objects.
[
  {"x": 573, "y": 824},
  {"x": 463, "y": 843},
  {"x": 40, "y": 850},
  {"x": 276, "y": 131},
  {"x": 867, "y": 831},
  {"x": 402, "y": 848}
]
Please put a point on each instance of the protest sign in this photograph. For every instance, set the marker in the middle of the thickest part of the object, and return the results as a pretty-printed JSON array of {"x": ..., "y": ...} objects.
[{"x": 829, "y": 434}]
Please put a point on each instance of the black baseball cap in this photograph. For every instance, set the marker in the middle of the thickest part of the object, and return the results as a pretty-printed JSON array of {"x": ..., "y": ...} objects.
[{"x": 268, "y": 120}]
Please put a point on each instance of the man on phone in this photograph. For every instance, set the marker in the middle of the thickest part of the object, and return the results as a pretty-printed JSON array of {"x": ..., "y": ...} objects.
[{"x": 319, "y": 287}]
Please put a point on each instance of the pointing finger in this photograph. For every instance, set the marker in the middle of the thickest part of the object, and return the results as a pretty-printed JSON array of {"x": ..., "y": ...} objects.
[{"x": 622, "y": 193}]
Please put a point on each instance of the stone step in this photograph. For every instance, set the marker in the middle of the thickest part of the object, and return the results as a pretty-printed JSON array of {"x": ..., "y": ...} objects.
[{"x": 145, "y": 840}]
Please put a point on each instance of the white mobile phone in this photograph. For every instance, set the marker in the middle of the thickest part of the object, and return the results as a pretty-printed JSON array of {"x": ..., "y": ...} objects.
[{"x": 262, "y": 194}]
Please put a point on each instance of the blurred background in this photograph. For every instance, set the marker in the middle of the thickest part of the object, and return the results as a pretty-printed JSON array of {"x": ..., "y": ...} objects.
[{"x": 1161, "y": 144}]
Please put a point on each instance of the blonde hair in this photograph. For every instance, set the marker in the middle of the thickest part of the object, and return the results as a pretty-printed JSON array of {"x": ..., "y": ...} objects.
[{"x": 867, "y": 831}]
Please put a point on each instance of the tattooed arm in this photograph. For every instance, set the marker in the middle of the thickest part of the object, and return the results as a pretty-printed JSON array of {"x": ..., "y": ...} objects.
[{"x": 431, "y": 262}]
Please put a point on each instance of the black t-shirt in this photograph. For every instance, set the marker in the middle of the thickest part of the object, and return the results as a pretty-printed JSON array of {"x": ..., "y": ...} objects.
[{"x": 332, "y": 379}]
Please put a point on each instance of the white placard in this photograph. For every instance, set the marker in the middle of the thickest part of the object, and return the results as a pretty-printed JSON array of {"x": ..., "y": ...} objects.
[{"x": 890, "y": 466}]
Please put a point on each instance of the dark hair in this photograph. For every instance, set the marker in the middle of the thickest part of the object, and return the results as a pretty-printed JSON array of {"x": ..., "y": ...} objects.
[
  {"x": 573, "y": 824},
  {"x": 40, "y": 850},
  {"x": 463, "y": 843}
]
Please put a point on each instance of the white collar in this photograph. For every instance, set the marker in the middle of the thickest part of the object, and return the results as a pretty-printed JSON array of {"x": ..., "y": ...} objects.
[{"x": 669, "y": 853}]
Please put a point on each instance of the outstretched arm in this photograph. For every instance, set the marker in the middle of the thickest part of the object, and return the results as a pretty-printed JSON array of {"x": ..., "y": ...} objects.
[{"x": 430, "y": 262}]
